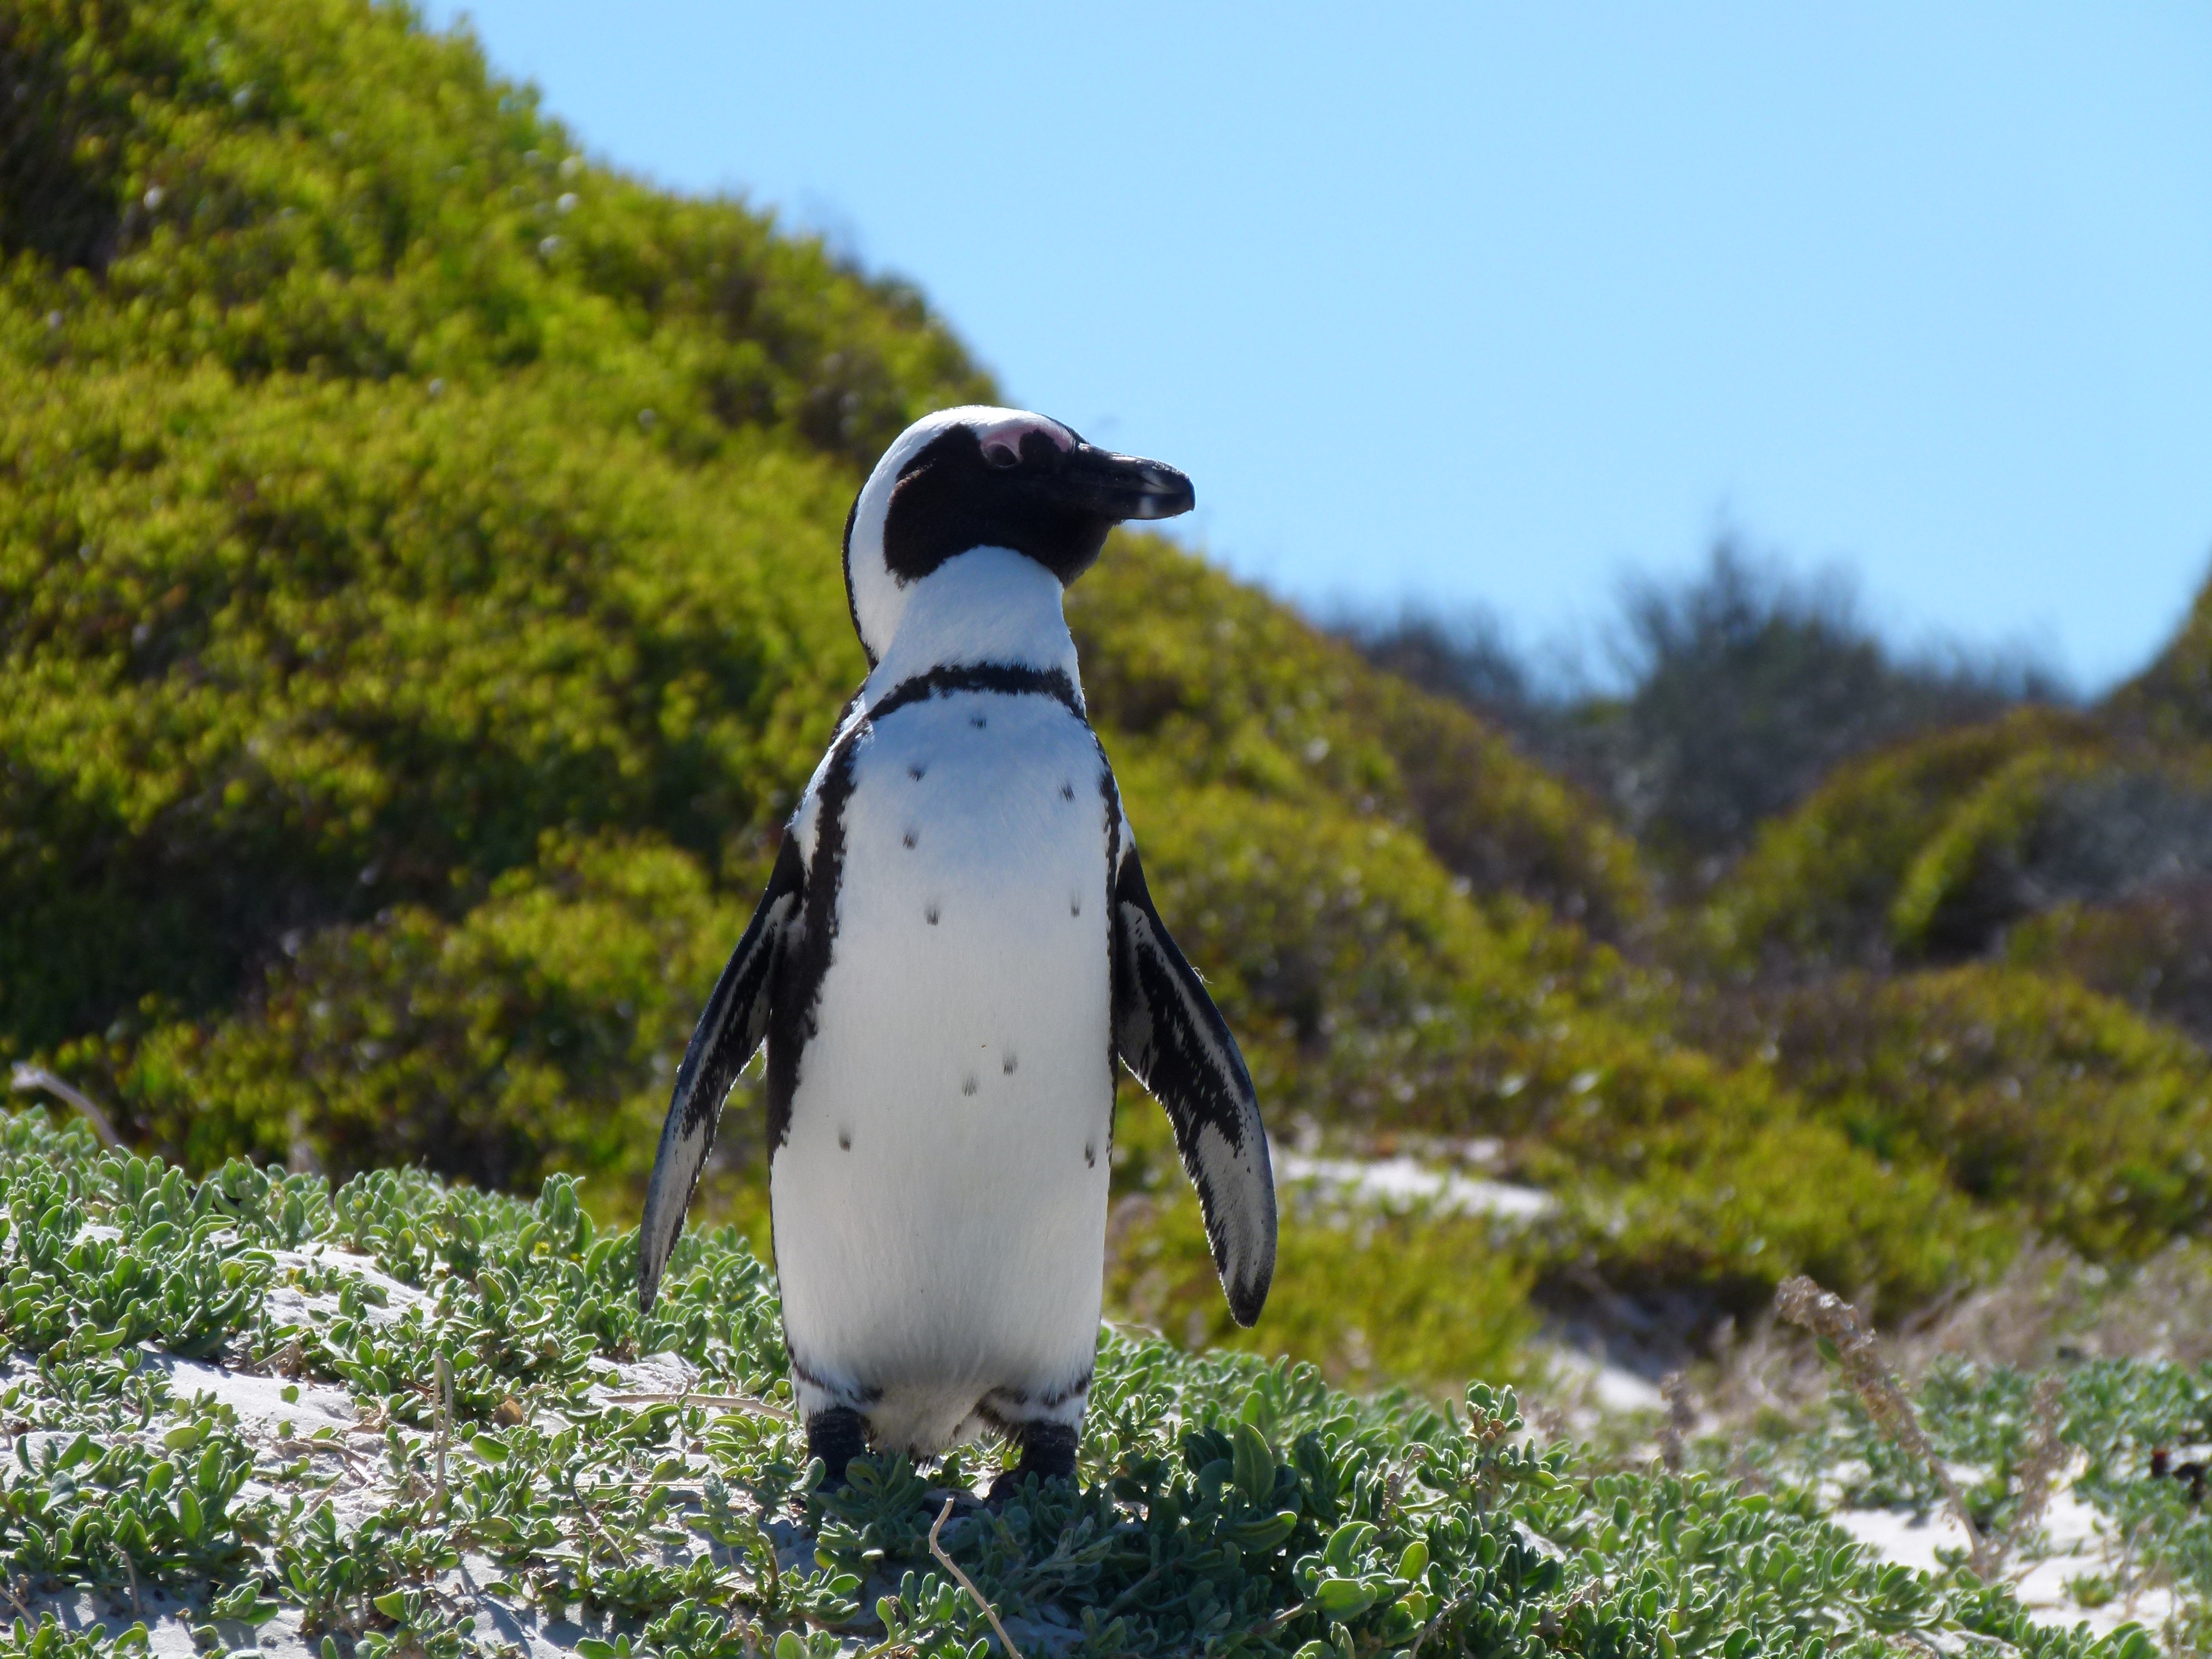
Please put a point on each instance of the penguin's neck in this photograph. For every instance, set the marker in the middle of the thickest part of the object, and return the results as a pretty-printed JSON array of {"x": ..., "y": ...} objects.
[{"x": 987, "y": 605}]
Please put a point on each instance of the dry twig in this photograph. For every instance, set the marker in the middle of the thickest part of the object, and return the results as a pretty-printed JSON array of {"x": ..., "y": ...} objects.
[
  {"x": 1682, "y": 1418},
  {"x": 27, "y": 1076},
  {"x": 967, "y": 1583},
  {"x": 1804, "y": 1304},
  {"x": 2044, "y": 1456},
  {"x": 445, "y": 1423}
]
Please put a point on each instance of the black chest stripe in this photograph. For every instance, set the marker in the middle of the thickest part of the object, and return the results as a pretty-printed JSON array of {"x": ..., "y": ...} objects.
[
  {"x": 1011, "y": 679},
  {"x": 795, "y": 1011}
]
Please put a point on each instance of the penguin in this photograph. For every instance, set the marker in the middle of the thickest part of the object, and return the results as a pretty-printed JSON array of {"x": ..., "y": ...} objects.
[{"x": 955, "y": 950}]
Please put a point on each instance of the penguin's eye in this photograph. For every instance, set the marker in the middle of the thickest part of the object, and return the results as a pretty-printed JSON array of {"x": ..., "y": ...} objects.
[{"x": 1000, "y": 455}]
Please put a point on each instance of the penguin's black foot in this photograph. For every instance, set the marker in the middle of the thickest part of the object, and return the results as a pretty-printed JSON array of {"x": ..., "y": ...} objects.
[
  {"x": 837, "y": 1437},
  {"x": 1047, "y": 1453}
]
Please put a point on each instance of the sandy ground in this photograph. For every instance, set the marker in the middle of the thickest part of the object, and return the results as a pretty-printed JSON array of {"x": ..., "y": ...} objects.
[
  {"x": 1405, "y": 1180},
  {"x": 2075, "y": 1543}
]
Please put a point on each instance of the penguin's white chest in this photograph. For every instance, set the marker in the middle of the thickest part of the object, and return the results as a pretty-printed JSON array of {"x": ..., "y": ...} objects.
[{"x": 940, "y": 1200}]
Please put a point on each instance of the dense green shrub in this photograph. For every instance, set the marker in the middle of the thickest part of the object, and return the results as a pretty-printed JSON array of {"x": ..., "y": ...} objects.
[
  {"x": 323, "y": 187},
  {"x": 277, "y": 660},
  {"x": 2054, "y": 826},
  {"x": 539, "y": 1031},
  {"x": 2152, "y": 950},
  {"x": 2036, "y": 1098},
  {"x": 1369, "y": 1298},
  {"x": 1821, "y": 882}
]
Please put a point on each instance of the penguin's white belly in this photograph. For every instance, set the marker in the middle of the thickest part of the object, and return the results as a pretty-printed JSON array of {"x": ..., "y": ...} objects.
[{"x": 940, "y": 1202}]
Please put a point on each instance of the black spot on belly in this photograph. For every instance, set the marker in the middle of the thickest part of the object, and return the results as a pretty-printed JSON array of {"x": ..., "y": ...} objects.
[
  {"x": 1075, "y": 904},
  {"x": 916, "y": 771},
  {"x": 977, "y": 721},
  {"x": 1007, "y": 1064},
  {"x": 844, "y": 1141},
  {"x": 1067, "y": 791},
  {"x": 968, "y": 1085},
  {"x": 1089, "y": 1154},
  {"x": 911, "y": 837},
  {"x": 929, "y": 913}
]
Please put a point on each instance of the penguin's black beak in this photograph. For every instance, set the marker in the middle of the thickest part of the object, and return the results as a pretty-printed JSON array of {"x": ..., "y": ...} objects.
[{"x": 1100, "y": 483}]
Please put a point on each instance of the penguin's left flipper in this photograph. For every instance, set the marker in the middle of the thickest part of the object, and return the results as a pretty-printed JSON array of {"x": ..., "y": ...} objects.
[
  {"x": 1173, "y": 1038},
  {"x": 732, "y": 1026}
]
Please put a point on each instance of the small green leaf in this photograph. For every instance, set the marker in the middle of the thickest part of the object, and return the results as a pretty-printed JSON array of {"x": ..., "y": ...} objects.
[
  {"x": 1255, "y": 1465},
  {"x": 1344, "y": 1598}
]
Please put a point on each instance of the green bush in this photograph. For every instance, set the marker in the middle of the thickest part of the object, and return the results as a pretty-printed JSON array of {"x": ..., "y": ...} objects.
[
  {"x": 1224, "y": 686},
  {"x": 2153, "y": 951},
  {"x": 281, "y": 659},
  {"x": 1822, "y": 882},
  {"x": 323, "y": 187},
  {"x": 1370, "y": 1299},
  {"x": 2171, "y": 700},
  {"x": 540, "y": 1031},
  {"x": 2036, "y": 1098}
]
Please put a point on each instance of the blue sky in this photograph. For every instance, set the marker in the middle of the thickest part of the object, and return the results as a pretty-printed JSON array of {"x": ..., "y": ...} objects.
[{"x": 1491, "y": 305}]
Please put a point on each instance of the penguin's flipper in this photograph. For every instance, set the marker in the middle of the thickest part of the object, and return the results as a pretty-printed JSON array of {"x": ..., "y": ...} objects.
[
  {"x": 735, "y": 1021},
  {"x": 1174, "y": 1039}
]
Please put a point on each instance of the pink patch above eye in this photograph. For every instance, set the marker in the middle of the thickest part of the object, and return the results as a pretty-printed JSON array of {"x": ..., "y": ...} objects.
[{"x": 1007, "y": 435}]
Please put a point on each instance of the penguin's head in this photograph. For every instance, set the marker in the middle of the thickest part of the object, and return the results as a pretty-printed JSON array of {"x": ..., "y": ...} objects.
[{"x": 977, "y": 476}]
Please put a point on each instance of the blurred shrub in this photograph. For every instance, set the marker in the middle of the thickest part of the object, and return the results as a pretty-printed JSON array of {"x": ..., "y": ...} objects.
[
  {"x": 1369, "y": 1294},
  {"x": 1679, "y": 1172},
  {"x": 1820, "y": 883},
  {"x": 1371, "y": 997},
  {"x": 2171, "y": 700},
  {"x": 2051, "y": 828},
  {"x": 1933, "y": 849},
  {"x": 1748, "y": 687},
  {"x": 540, "y": 1031},
  {"x": 1426, "y": 1301},
  {"x": 2152, "y": 950},
  {"x": 2036, "y": 1097},
  {"x": 1745, "y": 688}
]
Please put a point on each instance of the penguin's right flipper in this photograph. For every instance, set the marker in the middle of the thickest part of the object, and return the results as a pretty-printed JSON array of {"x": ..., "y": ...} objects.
[
  {"x": 1174, "y": 1039},
  {"x": 730, "y": 1029}
]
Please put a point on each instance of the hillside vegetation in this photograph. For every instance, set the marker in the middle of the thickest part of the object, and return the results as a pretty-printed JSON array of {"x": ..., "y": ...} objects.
[{"x": 420, "y": 608}]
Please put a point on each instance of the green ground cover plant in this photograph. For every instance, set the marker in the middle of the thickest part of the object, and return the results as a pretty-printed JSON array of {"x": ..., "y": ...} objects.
[{"x": 428, "y": 1419}]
